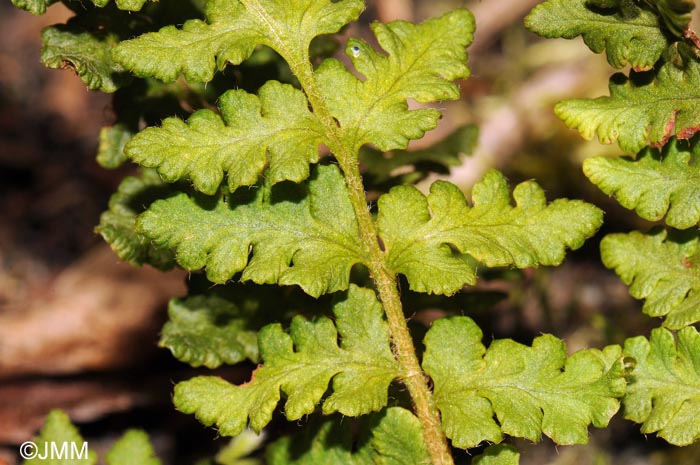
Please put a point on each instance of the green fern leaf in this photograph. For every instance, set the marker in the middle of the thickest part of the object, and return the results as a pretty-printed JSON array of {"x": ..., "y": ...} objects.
[
  {"x": 110, "y": 152},
  {"x": 59, "y": 431},
  {"x": 630, "y": 38},
  {"x": 419, "y": 233},
  {"x": 380, "y": 167},
  {"x": 301, "y": 364},
  {"x": 87, "y": 53},
  {"x": 35, "y": 7},
  {"x": 275, "y": 128},
  {"x": 499, "y": 454},
  {"x": 676, "y": 14},
  {"x": 329, "y": 442},
  {"x": 531, "y": 390},
  {"x": 663, "y": 270},
  {"x": 639, "y": 113},
  {"x": 420, "y": 63},
  {"x": 239, "y": 449},
  {"x": 664, "y": 389},
  {"x": 397, "y": 439},
  {"x": 607, "y": 3},
  {"x": 655, "y": 184},
  {"x": 299, "y": 234},
  {"x": 129, "y": 5},
  {"x": 393, "y": 437},
  {"x": 232, "y": 31},
  {"x": 209, "y": 330},
  {"x": 132, "y": 448},
  {"x": 118, "y": 224}
]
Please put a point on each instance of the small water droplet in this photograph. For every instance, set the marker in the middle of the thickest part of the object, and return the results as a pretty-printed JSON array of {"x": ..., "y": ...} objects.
[{"x": 355, "y": 51}]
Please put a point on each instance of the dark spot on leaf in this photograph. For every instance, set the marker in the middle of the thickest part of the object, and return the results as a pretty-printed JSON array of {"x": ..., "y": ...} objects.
[{"x": 252, "y": 376}]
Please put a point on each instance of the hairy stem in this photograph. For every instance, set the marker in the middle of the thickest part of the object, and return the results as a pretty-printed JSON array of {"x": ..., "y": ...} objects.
[{"x": 411, "y": 373}]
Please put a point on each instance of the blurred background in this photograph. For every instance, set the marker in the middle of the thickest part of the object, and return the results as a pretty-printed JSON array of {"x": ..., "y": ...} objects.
[{"x": 78, "y": 329}]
